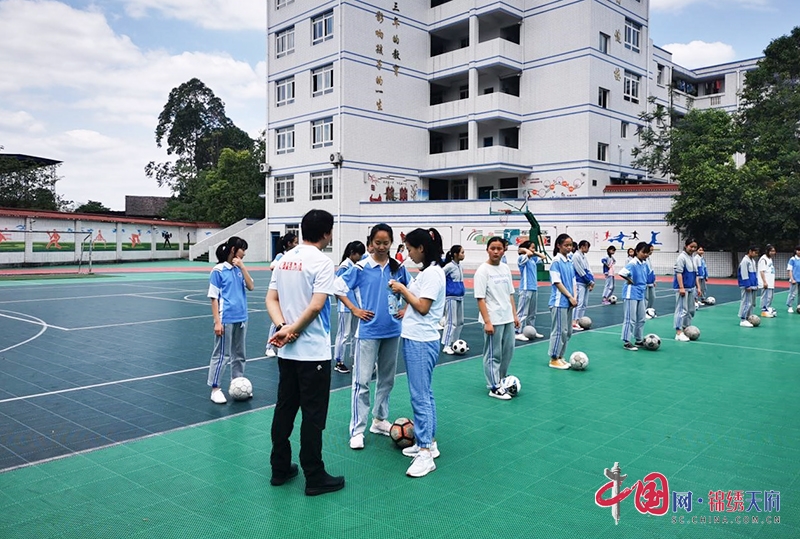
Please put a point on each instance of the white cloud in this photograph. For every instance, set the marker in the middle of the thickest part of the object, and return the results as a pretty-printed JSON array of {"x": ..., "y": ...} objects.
[
  {"x": 700, "y": 53},
  {"x": 212, "y": 14},
  {"x": 83, "y": 94},
  {"x": 678, "y": 5}
]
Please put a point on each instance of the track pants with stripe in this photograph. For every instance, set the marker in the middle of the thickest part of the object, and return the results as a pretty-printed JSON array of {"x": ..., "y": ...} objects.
[
  {"x": 345, "y": 336},
  {"x": 498, "y": 350},
  {"x": 560, "y": 330},
  {"x": 371, "y": 352},
  {"x": 608, "y": 288},
  {"x": 633, "y": 321},
  {"x": 792, "y": 294},
  {"x": 454, "y": 320},
  {"x": 684, "y": 308},
  {"x": 526, "y": 308},
  {"x": 583, "y": 301},
  {"x": 228, "y": 348},
  {"x": 650, "y": 296},
  {"x": 747, "y": 302},
  {"x": 766, "y": 298}
]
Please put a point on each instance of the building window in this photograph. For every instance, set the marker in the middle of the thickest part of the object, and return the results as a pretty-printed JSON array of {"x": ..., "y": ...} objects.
[
  {"x": 633, "y": 31},
  {"x": 623, "y": 129},
  {"x": 284, "y": 189},
  {"x": 602, "y": 97},
  {"x": 321, "y": 185},
  {"x": 463, "y": 92},
  {"x": 602, "y": 151},
  {"x": 631, "y": 91},
  {"x": 322, "y": 28},
  {"x": 460, "y": 190},
  {"x": 488, "y": 141},
  {"x": 293, "y": 228},
  {"x": 284, "y": 139},
  {"x": 282, "y": 3},
  {"x": 322, "y": 80},
  {"x": 322, "y": 133},
  {"x": 605, "y": 39},
  {"x": 660, "y": 76},
  {"x": 284, "y": 92},
  {"x": 284, "y": 42},
  {"x": 463, "y": 141}
]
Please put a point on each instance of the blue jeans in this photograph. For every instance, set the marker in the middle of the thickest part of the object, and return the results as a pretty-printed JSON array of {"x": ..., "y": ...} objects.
[{"x": 420, "y": 358}]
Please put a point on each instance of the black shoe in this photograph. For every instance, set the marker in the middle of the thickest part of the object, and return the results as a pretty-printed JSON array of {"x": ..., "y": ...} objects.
[
  {"x": 341, "y": 367},
  {"x": 327, "y": 484},
  {"x": 629, "y": 346},
  {"x": 278, "y": 480},
  {"x": 639, "y": 343}
]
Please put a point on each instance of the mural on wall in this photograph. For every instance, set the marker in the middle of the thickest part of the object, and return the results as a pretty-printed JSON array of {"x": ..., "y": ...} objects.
[
  {"x": 392, "y": 188},
  {"x": 548, "y": 186},
  {"x": 624, "y": 236},
  {"x": 12, "y": 240},
  {"x": 477, "y": 237}
]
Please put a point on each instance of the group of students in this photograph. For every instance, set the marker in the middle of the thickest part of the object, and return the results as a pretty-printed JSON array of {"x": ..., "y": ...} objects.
[{"x": 753, "y": 276}]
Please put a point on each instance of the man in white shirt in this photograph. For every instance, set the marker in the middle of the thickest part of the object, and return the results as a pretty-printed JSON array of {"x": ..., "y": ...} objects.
[{"x": 299, "y": 305}]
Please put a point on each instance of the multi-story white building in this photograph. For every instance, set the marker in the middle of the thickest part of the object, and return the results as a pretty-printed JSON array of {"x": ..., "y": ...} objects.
[{"x": 414, "y": 112}]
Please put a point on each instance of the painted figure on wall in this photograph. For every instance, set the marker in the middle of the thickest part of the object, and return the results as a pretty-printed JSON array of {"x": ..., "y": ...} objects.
[{"x": 54, "y": 237}]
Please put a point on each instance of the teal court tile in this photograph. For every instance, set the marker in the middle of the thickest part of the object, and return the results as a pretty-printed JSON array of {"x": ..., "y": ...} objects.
[{"x": 182, "y": 482}]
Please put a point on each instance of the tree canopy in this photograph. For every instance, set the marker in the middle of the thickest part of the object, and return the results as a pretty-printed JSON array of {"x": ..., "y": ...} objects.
[
  {"x": 25, "y": 184},
  {"x": 92, "y": 206}
]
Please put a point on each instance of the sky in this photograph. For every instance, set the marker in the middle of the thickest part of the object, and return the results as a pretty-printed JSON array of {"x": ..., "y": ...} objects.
[{"x": 84, "y": 81}]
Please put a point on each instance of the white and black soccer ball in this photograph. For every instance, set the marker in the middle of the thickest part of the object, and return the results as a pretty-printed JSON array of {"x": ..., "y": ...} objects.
[
  {"x": 512, "y": 385},
  {"x": 460, "y": 347},
  {"x": 240, "y": 389},
  {"x": 650, "y": 313},
  {"x": 711, "y": 300},
  {"x": 585, "y": 322},
  {"x": 612, "y": 299},
  {"x": 693, "y": 332},
  {"x": 578, "y": 361},
  {"x": 652, "y": 341}
]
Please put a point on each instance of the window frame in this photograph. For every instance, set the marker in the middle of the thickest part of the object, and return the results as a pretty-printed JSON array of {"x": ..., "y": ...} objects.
[
  {"x": 323, "y": 191},
  {"x": 602, "y": 152},
  {"x": 279, "y": 4},
  {"x": 287, "y": 34},
  {"x": 603, "y": 97},
  {"x": 284, "y": 189},
  {"x": 322, "y": 74},
  {"x": 287, "y": 84},
  {"x": 325, "y": 127},
  {"x": 633, "y": 35},
  {"x": 631, "y": 84},
  {"x": 604, "y": 43},
  {"x": 325, "y": 22},
  {"x": 287, "y": 134}
]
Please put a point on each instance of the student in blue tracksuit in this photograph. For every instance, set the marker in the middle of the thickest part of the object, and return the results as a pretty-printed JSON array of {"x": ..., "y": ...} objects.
[
  {"x": 608, "y": 272},
  {"x": 793, "y": 268},
  {"x": 562, "y": 301},
  {"x": 650, "y": 292},
  {"x": 454, "y": 300},
  {"x": 747, "y": 275},
  {"x": 378, "y": 333},
  {"x": 584, "y": 281},
  {"x": 528, "y": 296},
  {"x": 702, "y": 273},
  {"x": 636, "y": 274},
  {"x": 685, "y": 285},
  {"x": 347, "y": 323},
  {"x": 288, "y": 242}
]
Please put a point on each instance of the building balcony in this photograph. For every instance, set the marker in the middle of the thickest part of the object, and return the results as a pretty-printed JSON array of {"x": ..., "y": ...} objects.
[
  {"x": 500, "y": 51},
  {"x": 497, "y": 105},
  {"x": 492, "y": 158},
  {"x": 450, "y": 61}
]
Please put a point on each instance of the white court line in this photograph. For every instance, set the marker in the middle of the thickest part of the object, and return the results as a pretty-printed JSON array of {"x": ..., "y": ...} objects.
[
  {"x": 130, "y": 294},
  {"x": 38, "y": 322},
  {"x": 184, "y": 300}
]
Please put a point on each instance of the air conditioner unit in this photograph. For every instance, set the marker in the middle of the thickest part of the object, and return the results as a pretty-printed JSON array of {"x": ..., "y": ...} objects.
[
  {"x": 264, "y": 168},
  {"x": 336, "y": 158}
]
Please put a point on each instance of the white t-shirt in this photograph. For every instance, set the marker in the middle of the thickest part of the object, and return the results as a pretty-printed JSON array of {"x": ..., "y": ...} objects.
[
  {"x": 495, "y": 285},
  {"x": 299, "y": 274},
  {"x": 767, "y": 265},
  {"x": 429, "y": 284}
]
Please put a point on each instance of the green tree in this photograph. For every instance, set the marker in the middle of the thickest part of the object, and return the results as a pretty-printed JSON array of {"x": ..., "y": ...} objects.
[
  {"x": 92, "y": 206},
  {"x": 26, "y": 184}
]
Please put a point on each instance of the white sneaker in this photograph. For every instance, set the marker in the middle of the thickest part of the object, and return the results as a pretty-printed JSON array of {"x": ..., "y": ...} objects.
[
  {"x": 357, "y": 442},
  {"x": 499, "y": 393},
  {"x": 218, "y": 397},
  {"x": 414, "y": 449},
  {"x": 538, "y": 335},
  {"x": 681, "y": 337},
  {"x": 422, "y": 465},
  {"x": 790, "y": 311},
  {"x": 447, "y": 350},
  {"x": 380, "y": 426},
  {"x": 745, "y": 324},
  {"x": 521, "y": 337},
  {"x": 576, "y": 327},
  {"x": 440, "y": 327},
  {"x": 270, "y": 352}
]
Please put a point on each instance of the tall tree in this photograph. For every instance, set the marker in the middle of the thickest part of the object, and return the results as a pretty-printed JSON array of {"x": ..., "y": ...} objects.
[
  {"x": 92, "y": 206},
  {"x": 26, "y": 184}
]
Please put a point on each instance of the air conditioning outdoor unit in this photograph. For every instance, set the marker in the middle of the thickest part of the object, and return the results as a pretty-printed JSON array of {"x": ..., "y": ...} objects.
[
  {"x": 336, "y": 158},
  {"x": 264, "y": 168}
]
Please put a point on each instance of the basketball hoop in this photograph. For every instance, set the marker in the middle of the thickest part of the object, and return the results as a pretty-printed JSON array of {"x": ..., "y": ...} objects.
[{"x": 504, "y": 216}]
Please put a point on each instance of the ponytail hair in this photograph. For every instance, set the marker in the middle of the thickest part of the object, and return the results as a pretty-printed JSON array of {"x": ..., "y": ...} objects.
[
  {"x": 451, "y": 254},
  {"x": 431, "y": 243},
  {"x": 559, "y": 242},
  {"x": 352, "y": 248},
  {"x": 642, "y": 246},
  {"x": 287, "y": 240},
  {"x": 234, "y": 243},
  {"x": 394, "y": 265}
]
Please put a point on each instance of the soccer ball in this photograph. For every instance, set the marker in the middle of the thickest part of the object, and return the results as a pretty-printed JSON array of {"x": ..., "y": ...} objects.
[
  {"x": 612, "y": 299},
  {"x": 711, "y": 300},
  {"x": 585, "y": 322},
  {"x": 652, "y": 341},
  {"x": 511, "y": 384},
  {"x": 649, "y": 313},
  {"x": 240, "y": 389},
  {"x": 755, "y": 320},
  {"x": 693, "y": 332},
  {"x": 460, "y": 347},
  {"x": 529, "y": 331},
  {"x": 578, "y": 361},
  {"x": 798, "y": 309},
  {"x": 402, "y": 432}
]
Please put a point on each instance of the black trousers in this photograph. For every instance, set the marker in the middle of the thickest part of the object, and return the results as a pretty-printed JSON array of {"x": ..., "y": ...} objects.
[{"x": 306, "y": 386}]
